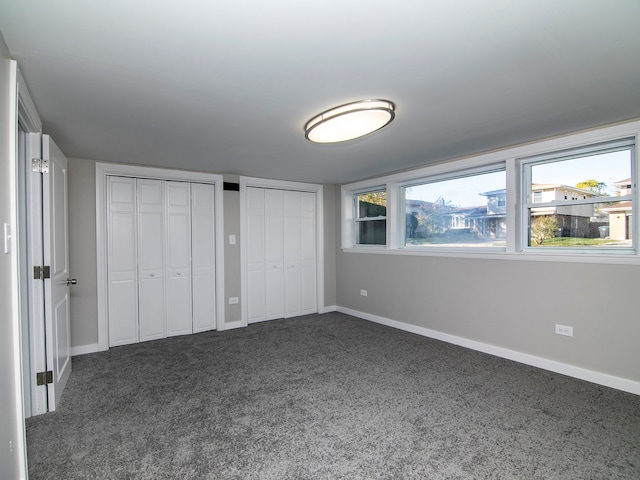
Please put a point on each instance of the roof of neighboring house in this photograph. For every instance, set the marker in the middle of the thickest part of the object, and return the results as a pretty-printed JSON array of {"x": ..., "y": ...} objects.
[
  {"x": 620, "y": 207},
  {"x": 494, "y": 192},
  {"x": 555, "y": 186},
  {"x": 623, "y": 183},
  {"x": 480, "y": 210},
  {"x": 416, "y": 203}
]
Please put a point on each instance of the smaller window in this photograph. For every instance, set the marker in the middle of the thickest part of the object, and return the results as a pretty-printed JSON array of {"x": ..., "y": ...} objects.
[{"x": 371, "y": 217}]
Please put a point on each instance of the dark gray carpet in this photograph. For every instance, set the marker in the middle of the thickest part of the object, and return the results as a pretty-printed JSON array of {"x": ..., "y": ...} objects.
[{"x": 328, "y": 397}]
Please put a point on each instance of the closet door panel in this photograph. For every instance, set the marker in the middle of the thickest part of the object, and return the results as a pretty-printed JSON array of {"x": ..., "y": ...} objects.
[
  {"x": 255, "y": 248},
  {"x": 179, "y": 320},
  {"x": 203, "y": 257},
  {"x": 151, "y": 289},
  {"x": 308, "y": 303},
  {"x": 274, "y": 279},
  {"x": 121, "y": 261},
  {"x": 152, "y": 314},
  {"x": 178, "y": 258},
  {"x": 292, "y": 246}
]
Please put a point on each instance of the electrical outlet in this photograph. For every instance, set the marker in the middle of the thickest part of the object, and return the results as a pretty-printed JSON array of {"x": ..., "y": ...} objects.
[
  {"x": 232, "y": 239},
  {"x": 363, "y": 293},
  {"x": 564, "y": 330},
  {"x": 233, "y": 300}
]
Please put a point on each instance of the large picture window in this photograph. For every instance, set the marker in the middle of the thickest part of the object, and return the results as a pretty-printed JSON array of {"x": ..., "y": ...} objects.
[
  {"x": 581, "y": 199},
  {"x": 466, "y": 211}
]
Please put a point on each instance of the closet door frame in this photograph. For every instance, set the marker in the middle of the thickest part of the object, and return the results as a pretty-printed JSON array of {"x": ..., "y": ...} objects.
[
  {"x": 103, "y": 170},
  {"x": 282, "y": 185}
]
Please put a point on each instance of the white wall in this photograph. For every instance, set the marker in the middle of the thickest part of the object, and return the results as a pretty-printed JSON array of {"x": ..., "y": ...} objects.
[
  {"x": 82, "y": 251},
  {"x": 10, "y": 435},
  {"x": 510, "y": 304}
]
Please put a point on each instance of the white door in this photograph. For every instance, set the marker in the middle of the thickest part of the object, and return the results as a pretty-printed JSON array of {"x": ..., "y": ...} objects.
[
  {"x": 178, "y": 271},
  {"x": 122, "y": 261},
  {"x": 255, "y": 240},
  {"x": 308, "y": 252},
  {"x": 56, "y": 256},
  {"x": 274, "y": 302},
  {"x": 292, "y": 246},
  {"x": 151, "y": 294},
  {"x": 203, "y": 258}
]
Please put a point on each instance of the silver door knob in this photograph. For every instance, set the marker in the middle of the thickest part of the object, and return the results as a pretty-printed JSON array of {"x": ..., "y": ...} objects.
[{"x": 71, "y": 281}]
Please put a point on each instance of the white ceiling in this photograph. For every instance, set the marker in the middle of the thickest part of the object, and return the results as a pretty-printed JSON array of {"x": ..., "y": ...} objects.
[{"x": 225, "y": 86}]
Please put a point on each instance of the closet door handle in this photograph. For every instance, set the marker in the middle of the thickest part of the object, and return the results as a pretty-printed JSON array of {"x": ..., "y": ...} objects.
[{"x": 71, "y": 281}]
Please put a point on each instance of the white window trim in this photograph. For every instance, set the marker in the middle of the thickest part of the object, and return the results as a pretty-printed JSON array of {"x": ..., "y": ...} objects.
[
  {"x": 355, "y": 219},
  {"x": 526, "y": 165},
  {"x": 515, "y": 236},
  {"x": 105, "y": 169}
]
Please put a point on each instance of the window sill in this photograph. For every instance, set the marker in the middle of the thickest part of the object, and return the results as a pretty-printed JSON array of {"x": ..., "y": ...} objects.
[{"x": 528, "y": 256}]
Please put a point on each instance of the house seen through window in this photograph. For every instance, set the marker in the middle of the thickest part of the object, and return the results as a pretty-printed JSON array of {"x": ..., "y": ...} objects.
[{"x": 463, "y": 211}]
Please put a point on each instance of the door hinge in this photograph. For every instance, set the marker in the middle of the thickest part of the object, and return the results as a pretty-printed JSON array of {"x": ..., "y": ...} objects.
[
  {"x": 44, "y": 378},
  {"x": 40, "y": 273},
  {"x": 39, "y": 165}
]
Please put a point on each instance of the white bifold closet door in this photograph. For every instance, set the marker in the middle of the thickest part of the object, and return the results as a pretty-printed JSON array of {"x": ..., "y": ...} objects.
[
  {"x": 203, "y": 257},
  {"x": 178, "y": 235},
  {"x": 161, "y": 259},
  {"x": 122, "y": 254},
  {"x": 255, "y": 254},
  {"x": 281, "y": 253},
  {"x": 151, "y": 239},
  {"x": 299, "y": 253}
]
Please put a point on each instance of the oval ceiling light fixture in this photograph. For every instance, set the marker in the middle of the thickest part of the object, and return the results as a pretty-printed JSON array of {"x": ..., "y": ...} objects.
[{"x": 349, "y": 121}]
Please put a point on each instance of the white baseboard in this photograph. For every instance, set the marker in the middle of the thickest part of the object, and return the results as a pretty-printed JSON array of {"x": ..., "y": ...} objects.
[
  {"x": 535, "y": 361},
  {"x": 328, "y": 309},
  {"x": 84, "y": 349},
  {"x": 231, "y": 325}
]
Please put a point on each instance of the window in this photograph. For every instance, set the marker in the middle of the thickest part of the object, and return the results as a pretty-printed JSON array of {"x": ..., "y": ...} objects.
[
  {"x": 568, "y": 198},
  {"x": 371, "y": 217},
  {"x": 537, "y": 196},
  {"x": 581, "y": 198},
  {"x": 468, "y": 210}
]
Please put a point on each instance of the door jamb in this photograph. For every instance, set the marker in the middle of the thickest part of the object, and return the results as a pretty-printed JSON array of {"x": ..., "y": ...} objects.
[
  {"x": 23, "y": 110},
  {"x": 32, "y": 216}
]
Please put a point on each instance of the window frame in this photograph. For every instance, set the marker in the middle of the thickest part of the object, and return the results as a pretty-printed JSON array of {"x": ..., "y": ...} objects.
[
  {"x": 517, "y": 235},
  {"x": 357, "y": 219},
  {"x": 527, "y": 201}
]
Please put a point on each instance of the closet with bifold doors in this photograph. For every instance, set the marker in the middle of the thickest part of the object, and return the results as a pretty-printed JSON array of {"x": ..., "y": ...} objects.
[
  {"x": 281, "y": 253},
  {"x": 160, "y": 258}
]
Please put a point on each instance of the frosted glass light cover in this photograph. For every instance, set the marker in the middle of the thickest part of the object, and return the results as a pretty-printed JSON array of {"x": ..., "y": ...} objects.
[{"x": 349, "y": 121}]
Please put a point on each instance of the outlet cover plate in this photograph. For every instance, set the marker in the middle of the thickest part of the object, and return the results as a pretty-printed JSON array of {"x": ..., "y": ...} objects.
[{"x": 564, "y": 330}]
